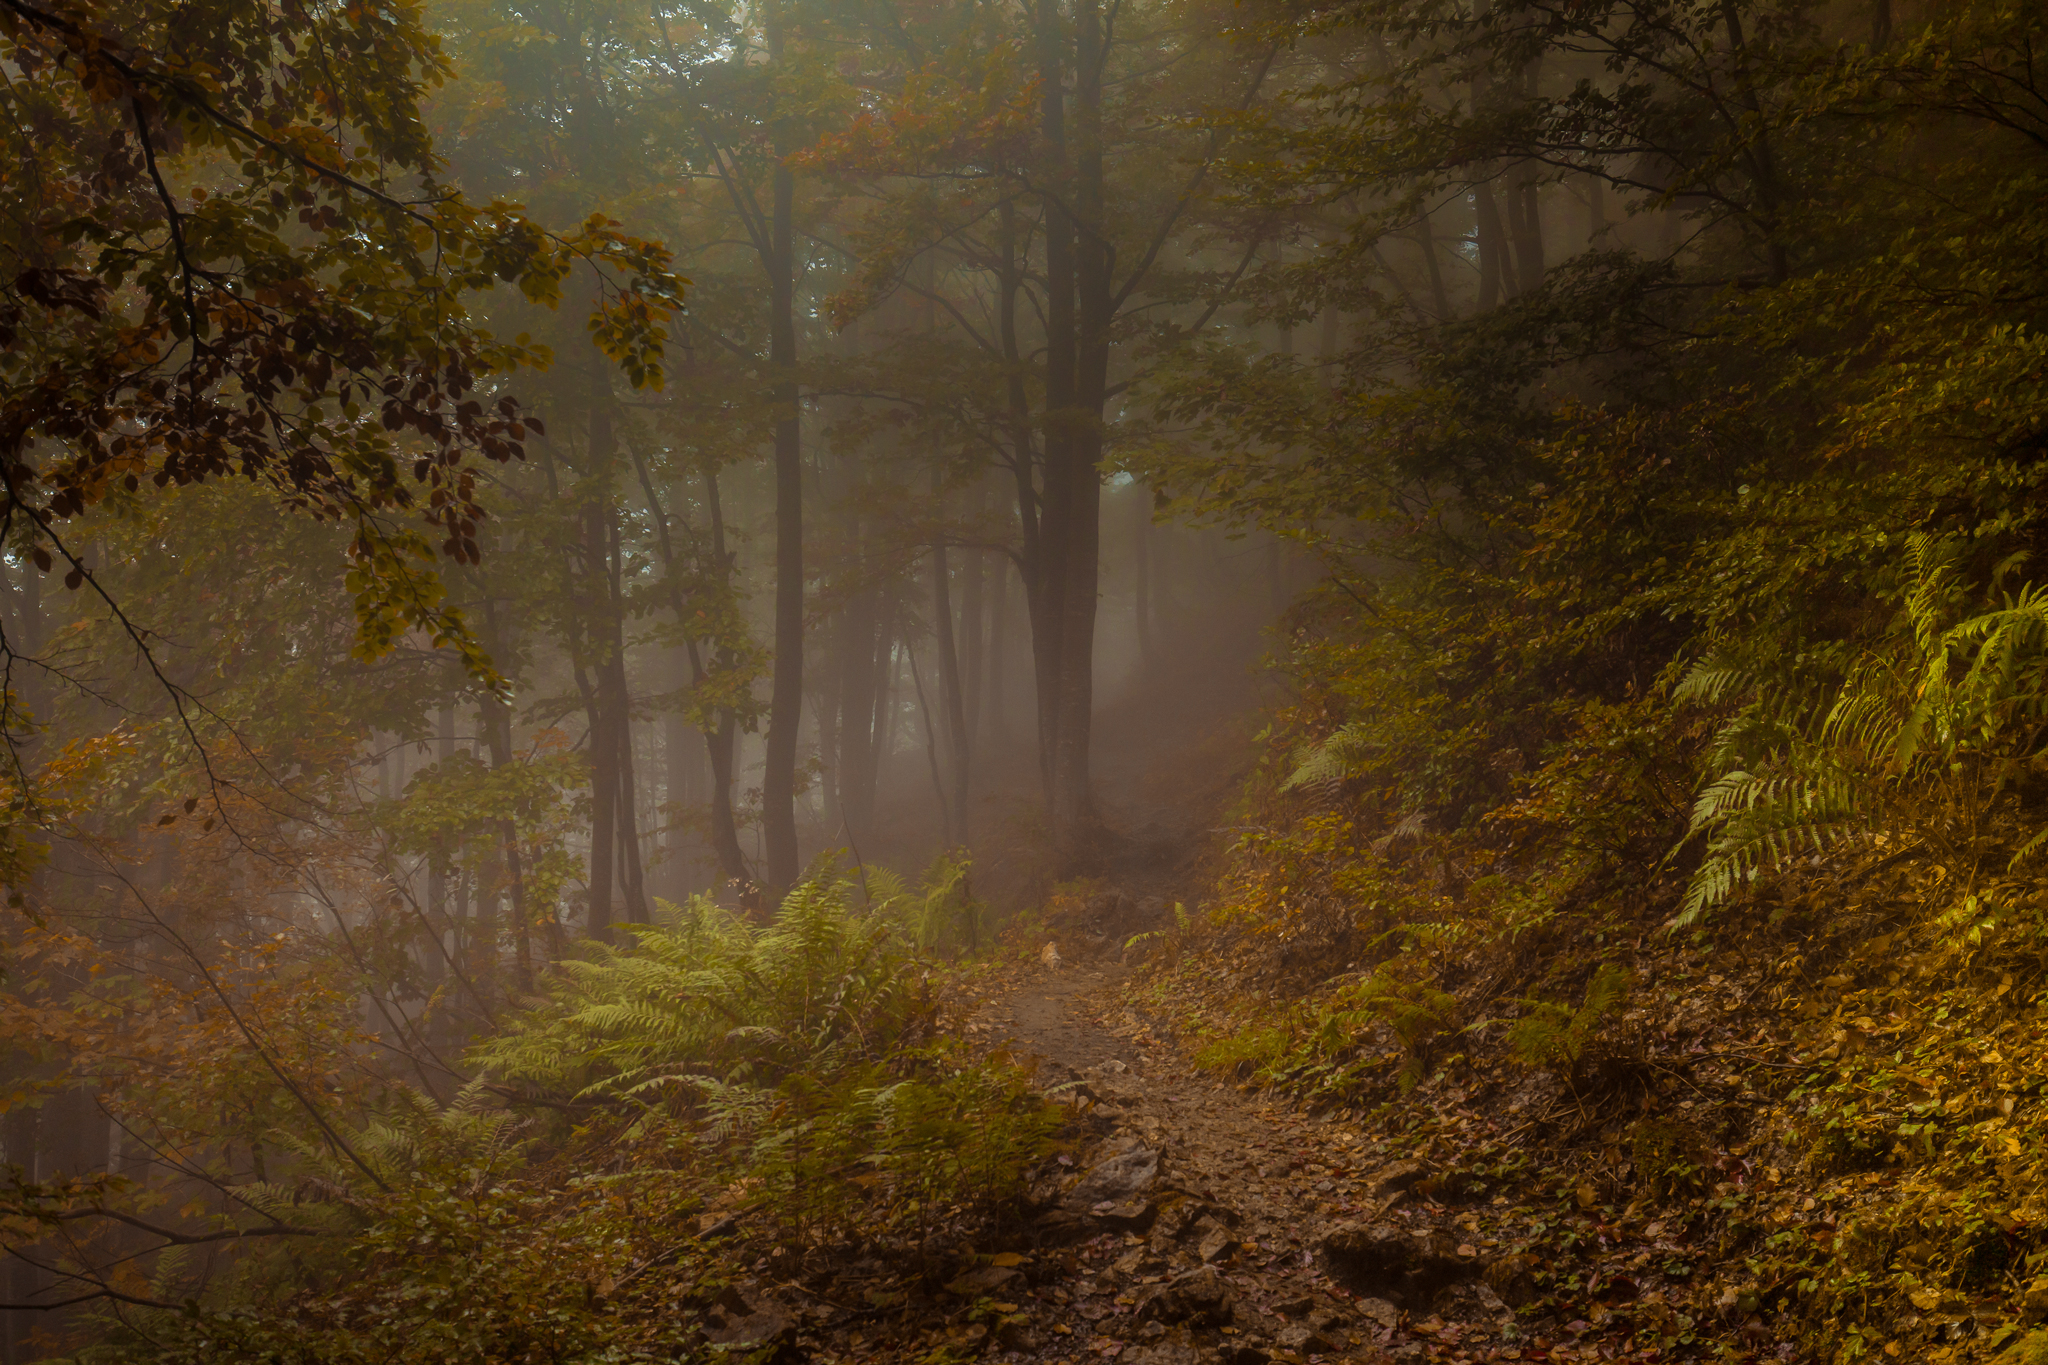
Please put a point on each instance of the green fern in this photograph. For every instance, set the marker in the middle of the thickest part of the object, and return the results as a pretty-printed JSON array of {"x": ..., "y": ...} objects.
[
  {"x": 1420, "y": 1016},
  {"x": 940, "y": 913},
  {"x": 1913, "y": 740},
  {"x": 709, "y": 996},
  {"x": 1758, "y": 821},
  {"x": 1557, "y": 1037},
  {"x": 1343, "y": 754}
]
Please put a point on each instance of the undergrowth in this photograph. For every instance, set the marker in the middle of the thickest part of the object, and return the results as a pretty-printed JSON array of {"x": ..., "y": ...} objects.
[
  {"x": 711, "y": 1095},
  {"x": 1746, "y": 945},
  {"x": 1805, "y": 1105}
]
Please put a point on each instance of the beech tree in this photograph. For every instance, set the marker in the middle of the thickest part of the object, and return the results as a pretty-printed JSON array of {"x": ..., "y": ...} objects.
[
  {"x": 742, "y": 90},
  {"x": 1070, "y": 244}
]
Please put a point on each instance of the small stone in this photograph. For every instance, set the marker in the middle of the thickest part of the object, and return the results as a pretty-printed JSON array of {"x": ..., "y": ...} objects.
[
  {"x": 1391, "y": 1260},
  {"x": 1513, "y": 1278},
  {"x": 987, "y": 1280},
  {"x": 1299, "y": 1336},
  {"x": 762, "y": 1326},
  {"x": 1198, "y": 1296},
  {"x": 1394, "y": 1178},
  {"x": 1119, "y": 1180},
  {"x": 1133, "y": 1216},
  {"x": 1217, "y": 1246},
  {"x": 1062, "y": 1227},
  {"x": 1018, "y": 1336}
]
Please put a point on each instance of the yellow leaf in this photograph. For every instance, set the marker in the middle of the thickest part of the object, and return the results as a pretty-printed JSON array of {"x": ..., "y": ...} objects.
[{"x": 1006, "y": 1259}]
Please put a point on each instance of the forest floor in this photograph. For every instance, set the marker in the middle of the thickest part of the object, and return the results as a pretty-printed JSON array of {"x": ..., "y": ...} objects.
[{"x": 1194, "y": 1222}]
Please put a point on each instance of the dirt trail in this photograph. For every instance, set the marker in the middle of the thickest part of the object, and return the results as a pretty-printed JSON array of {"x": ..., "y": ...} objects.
[{"x": 1258, "y": 1234}]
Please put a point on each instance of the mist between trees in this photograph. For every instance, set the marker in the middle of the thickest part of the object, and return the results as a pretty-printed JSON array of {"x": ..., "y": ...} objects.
[{"x": 477, "y": 472}]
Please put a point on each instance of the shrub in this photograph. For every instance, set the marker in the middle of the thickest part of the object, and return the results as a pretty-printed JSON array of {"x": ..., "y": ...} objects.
[
  {"x": 778, "y": 1080},
  {"x": 708, "y": 997},
  {"x": 799, "y": 1054},
  {"x": 1556, "y": 1037}
]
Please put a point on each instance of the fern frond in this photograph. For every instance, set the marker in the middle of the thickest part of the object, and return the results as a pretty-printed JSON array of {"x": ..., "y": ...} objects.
[
  {"x": 1340, "y": 756},
  {"x": 819, "y": 985},
  {"x": 1708, "y": 681}
]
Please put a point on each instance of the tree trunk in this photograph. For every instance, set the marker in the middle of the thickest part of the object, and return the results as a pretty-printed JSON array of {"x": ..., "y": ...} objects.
[
  {"x": 931, "y": 748},
  {"x": 1496, "y": 270},
  {"x": 438, "y": 915},
  {"x": 632, "y": 869},
  {"x": 682, "y": 762},
  {"x": 494, "y": 717},
  {"x": 718, "y": 743},
  {"x": 1023, "y": 459},
  {"x": 1525, "y": 226},
  {"x": 617, "y": 701},
  {"x": 721, "y": 745},
  {"x": 1047, "y": 571},
  {"x": 1761, "y": 158},
  {"x": 996, "y": 709},
  {"x": 973, "y": 649},
  {"x": 888, "y": 711},
  {"x": 957, "y": 750},
  {"x": 615, "y": 865},
  {"x": 1439, "y": 297},
  {"x": 604, "y": 750},
  {"x": 1074, "y": 817},
  {"x": 786, "y": 694},
  {"x": 1141, "y": 574},
  {"x": 437, "y": 860},
  {"x": 858, "y": 685}
]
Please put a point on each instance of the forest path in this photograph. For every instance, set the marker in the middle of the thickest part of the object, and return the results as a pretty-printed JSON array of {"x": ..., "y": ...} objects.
[{"x": 1220, "y": 1251}]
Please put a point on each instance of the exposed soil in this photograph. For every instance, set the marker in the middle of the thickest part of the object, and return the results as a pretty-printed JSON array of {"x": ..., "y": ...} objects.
[{"x": 1262, "y": 1234}]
